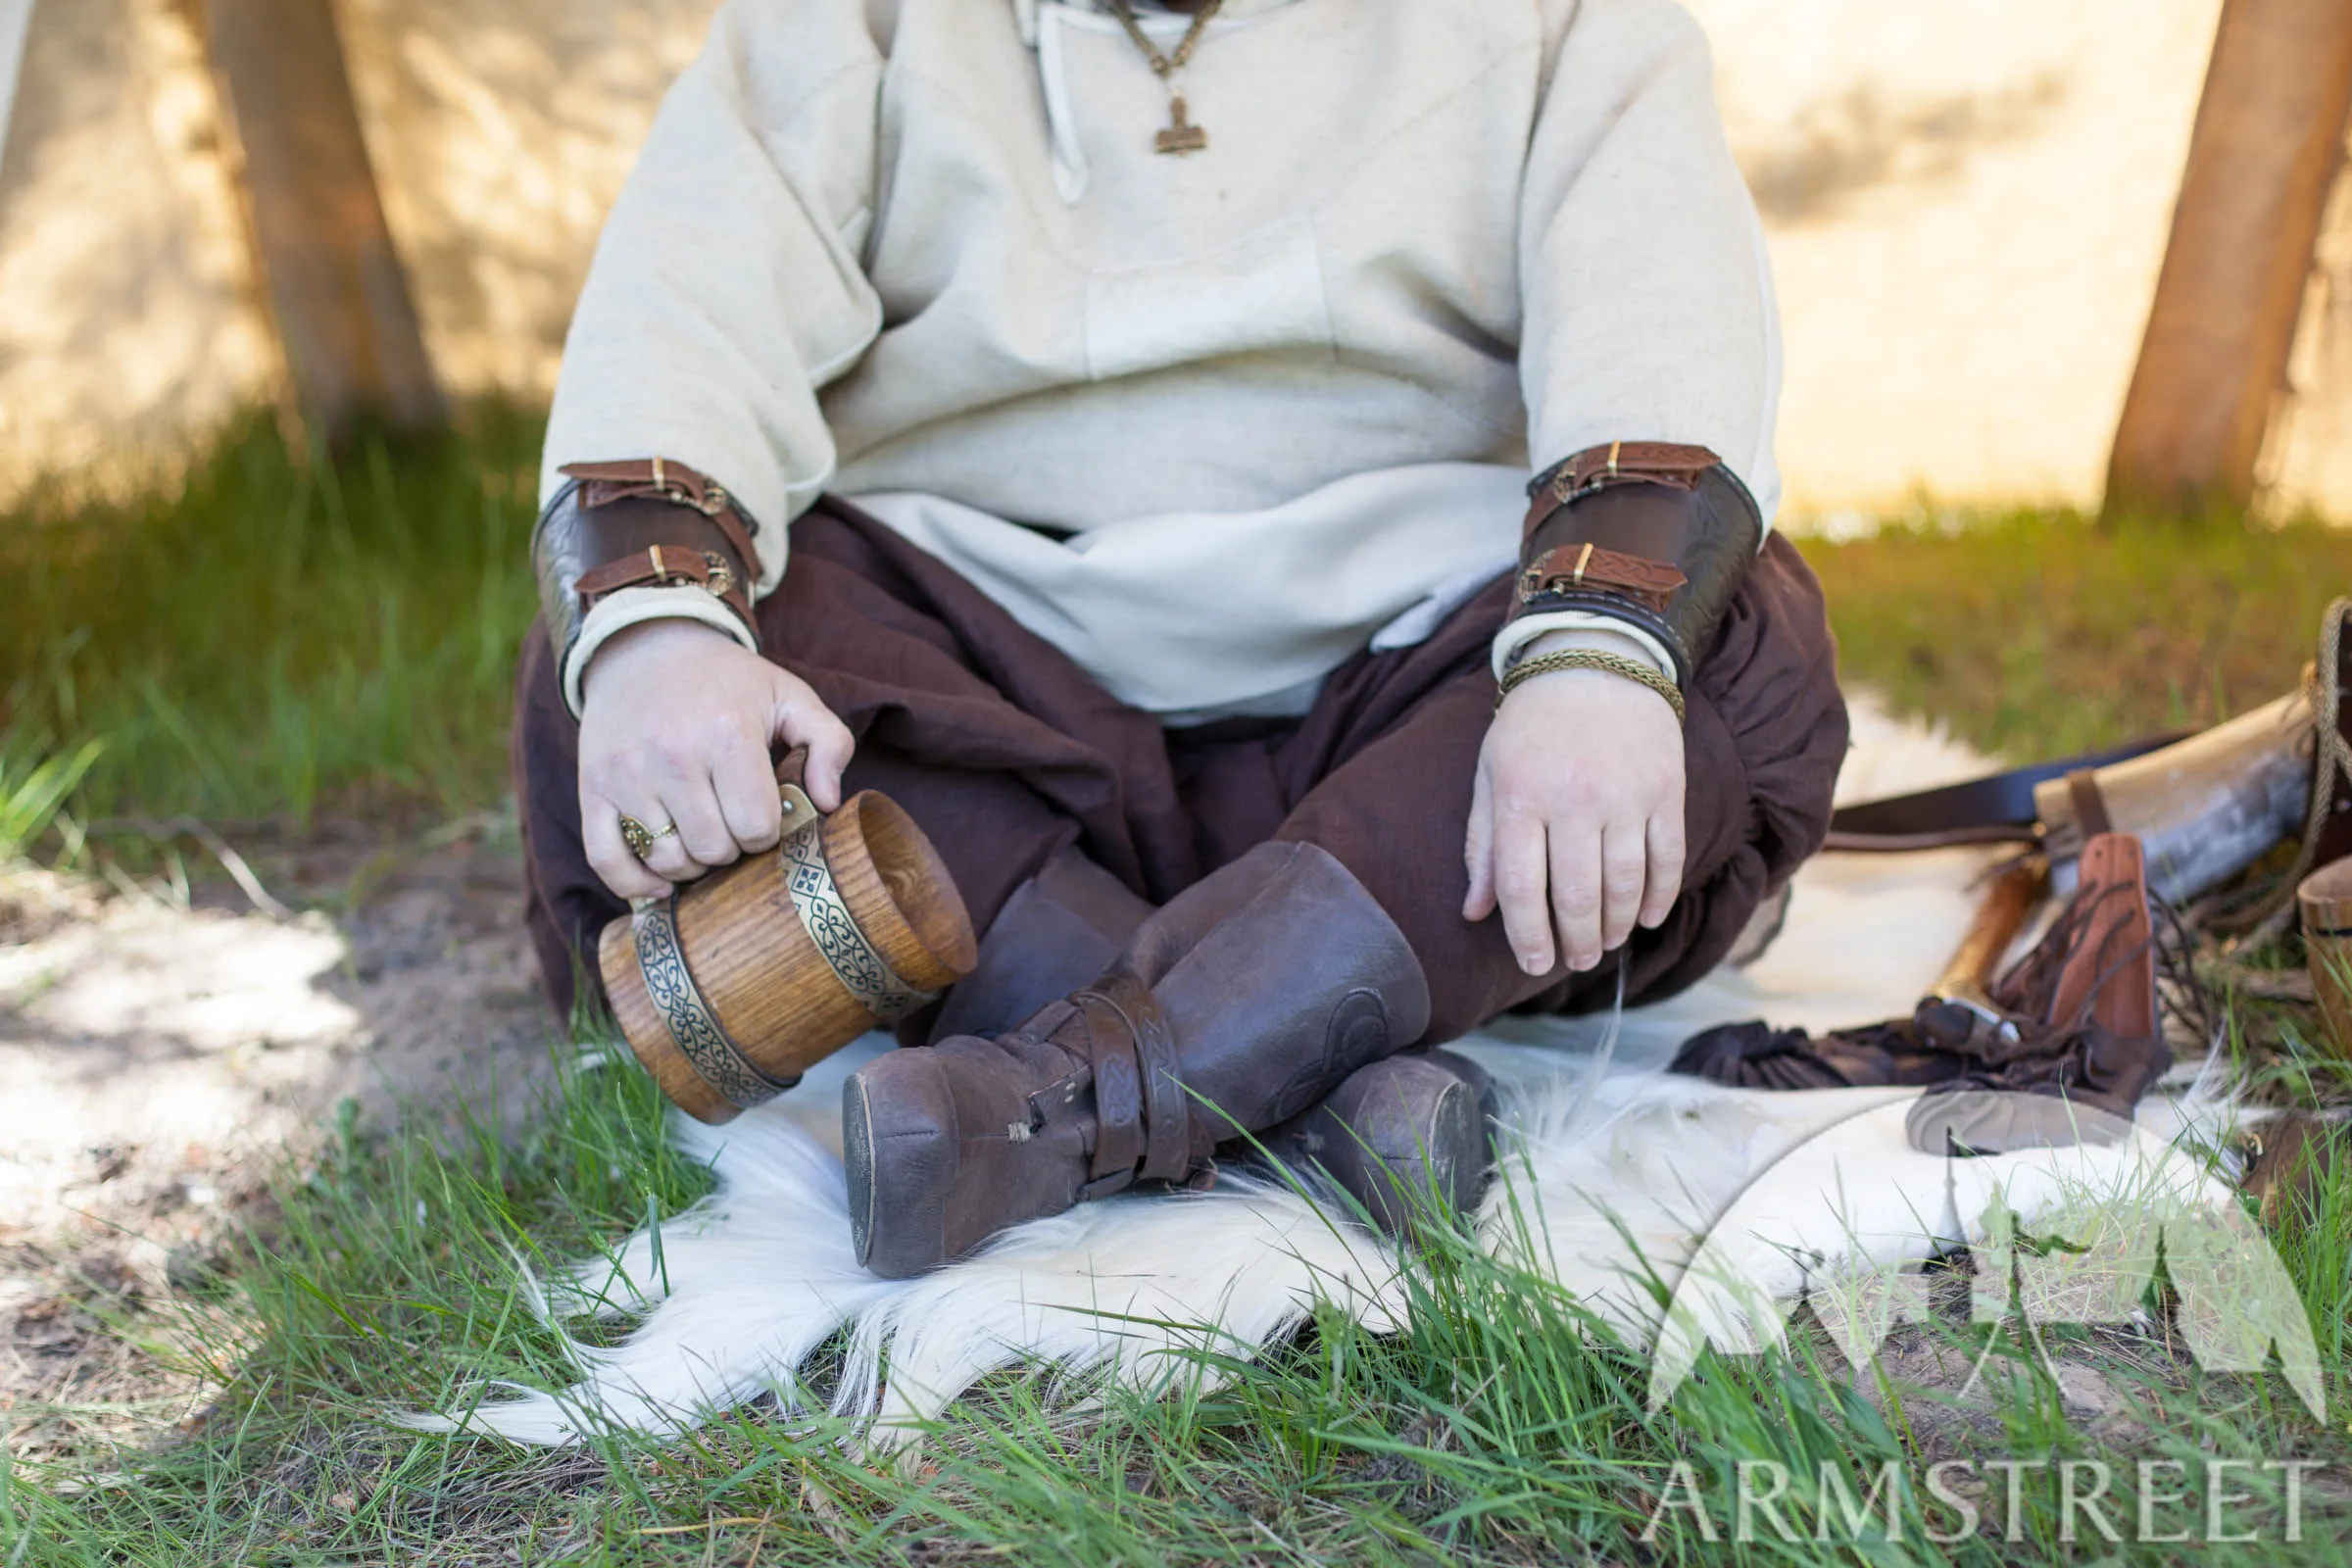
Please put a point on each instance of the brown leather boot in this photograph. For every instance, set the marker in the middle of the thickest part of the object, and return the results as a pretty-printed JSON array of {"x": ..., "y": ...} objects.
[
  {"x": 1059, "y": 929},
  {"x": 1241, "y": 1004},
  {"x": 1408, "y": 1137}
]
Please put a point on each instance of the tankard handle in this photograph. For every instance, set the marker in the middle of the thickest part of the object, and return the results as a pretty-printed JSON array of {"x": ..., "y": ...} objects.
[{"x": 799, "y": 809}]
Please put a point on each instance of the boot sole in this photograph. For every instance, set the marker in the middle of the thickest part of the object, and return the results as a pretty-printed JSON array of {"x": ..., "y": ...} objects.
[
  {"x": 857, "y": 1165},
  {"x": 897, "y": 1153},
  {"x": 1457, "y": 1150}
]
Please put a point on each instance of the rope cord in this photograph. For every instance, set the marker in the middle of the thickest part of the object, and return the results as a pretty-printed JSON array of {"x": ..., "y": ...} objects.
[{"x": 1165, "y": 66}]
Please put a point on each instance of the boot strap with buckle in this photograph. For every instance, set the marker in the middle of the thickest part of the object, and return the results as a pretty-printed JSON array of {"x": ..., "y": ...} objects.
[{"x": 1143, "y": 1125}]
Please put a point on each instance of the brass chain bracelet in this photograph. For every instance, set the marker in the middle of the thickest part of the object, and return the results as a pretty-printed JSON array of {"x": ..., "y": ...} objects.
[{"x": 1633, "y": 670}]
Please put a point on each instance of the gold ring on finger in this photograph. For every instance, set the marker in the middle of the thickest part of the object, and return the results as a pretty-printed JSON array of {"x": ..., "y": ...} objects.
[{"x": 641, "y": 839}]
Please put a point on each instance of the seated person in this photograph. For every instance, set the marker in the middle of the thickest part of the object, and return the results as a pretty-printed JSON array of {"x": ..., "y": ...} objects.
[{"x": 1107, "y": 428}]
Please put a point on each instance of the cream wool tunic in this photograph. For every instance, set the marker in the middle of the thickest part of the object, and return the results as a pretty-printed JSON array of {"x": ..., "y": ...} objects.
[{"x": 1275, "y": 400}]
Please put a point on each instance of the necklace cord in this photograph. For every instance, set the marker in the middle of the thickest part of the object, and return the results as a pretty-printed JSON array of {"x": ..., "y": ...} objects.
[{"x": 1164, "y": 66}]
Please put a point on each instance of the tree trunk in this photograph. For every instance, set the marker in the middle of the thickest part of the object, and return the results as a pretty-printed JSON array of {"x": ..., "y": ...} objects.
[
  {"x": 2267, "y": 140},
  {"x": 354, "y": 349}
]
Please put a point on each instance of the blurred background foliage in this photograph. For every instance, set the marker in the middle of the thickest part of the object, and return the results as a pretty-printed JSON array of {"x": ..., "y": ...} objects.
[
  {"x": 2035, "y": 633},
  {"x": 278, "y": 637}
]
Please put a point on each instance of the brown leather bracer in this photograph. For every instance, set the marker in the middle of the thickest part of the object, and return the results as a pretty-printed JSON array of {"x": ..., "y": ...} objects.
[
  {"x": 1652, "y": 533},
  {"x": 650, "y": 524}
]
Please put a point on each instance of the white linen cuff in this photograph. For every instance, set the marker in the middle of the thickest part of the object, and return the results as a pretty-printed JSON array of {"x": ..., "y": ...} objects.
[
  {"x": 633, "y": 606},
  {"x": 1519, "y": 633}
]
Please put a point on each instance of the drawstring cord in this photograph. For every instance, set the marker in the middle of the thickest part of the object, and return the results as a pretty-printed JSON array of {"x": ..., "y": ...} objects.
[{"x": 1070, "y": 172}]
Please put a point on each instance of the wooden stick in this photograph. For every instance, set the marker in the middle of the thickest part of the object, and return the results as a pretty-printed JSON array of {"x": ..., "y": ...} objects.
[{"x": 2001, "y": 915}]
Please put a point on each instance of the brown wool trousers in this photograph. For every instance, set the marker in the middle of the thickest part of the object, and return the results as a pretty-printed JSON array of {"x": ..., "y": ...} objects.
[{"x": 1004, "y": 752}]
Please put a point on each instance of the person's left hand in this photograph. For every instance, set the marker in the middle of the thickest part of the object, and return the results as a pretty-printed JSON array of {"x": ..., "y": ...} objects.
[{"x": 1576, "y": 818}]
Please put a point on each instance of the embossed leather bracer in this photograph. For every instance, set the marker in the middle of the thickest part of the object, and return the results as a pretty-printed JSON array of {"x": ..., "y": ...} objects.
[
  {"x": 1648, "y": 532},
  {"x": 642, "y": 525}
]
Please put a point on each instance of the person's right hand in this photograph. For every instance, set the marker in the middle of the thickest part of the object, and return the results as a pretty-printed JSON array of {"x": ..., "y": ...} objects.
[{"x": 676, "y": 721}]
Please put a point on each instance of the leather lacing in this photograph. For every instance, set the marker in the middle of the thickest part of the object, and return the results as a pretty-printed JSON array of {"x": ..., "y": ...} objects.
[
  {"x": 2028, "y": 992},
  {"x": 2059, "y": 1049}
]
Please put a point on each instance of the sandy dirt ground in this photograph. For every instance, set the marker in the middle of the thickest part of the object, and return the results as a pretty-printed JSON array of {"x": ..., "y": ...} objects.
[{"x": 161, "y": 1055}]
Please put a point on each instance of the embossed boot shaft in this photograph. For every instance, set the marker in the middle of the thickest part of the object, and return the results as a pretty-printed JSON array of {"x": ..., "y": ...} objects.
[
  {"x": 1062, "y": 928},
  {"x": 1241, "y": 1004}
]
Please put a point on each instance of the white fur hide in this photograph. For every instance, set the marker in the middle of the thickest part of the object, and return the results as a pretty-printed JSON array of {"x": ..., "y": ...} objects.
[{"x": 738, "y": 1294}]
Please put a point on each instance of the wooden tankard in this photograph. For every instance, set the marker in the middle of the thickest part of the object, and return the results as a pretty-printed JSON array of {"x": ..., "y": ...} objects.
[{"x": 734, "y": 985}]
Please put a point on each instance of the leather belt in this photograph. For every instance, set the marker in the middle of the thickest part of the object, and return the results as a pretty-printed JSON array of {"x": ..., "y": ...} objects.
[{"x": 1997, "y": 808}]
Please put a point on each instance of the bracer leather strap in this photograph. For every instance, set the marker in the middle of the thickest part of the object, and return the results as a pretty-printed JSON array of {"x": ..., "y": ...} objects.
[
  {"x": 665, "y": 566},
  {"x": 660, "y": 479},
  {"x": 1653, "y": 533},
  {"x": 650, "y": 524}
]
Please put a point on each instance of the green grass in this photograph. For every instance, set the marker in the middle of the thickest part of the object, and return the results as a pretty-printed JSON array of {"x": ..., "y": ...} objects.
[
  {"x": 278, "y": 638},
  {"x": 1502, "y": 1426},
  {"x": 287, "y": 641},
  {"x": 2035, "y": 634},
  {"x": 33, "y": 793}
]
